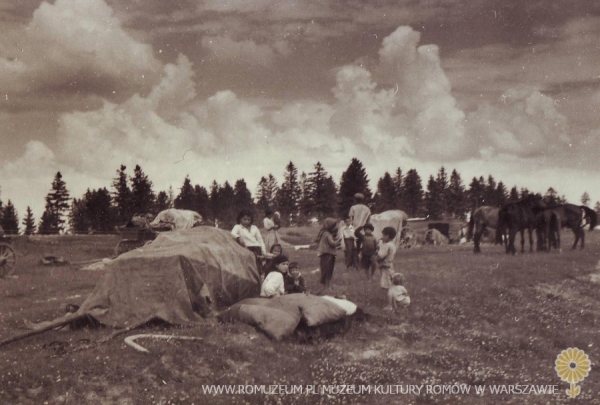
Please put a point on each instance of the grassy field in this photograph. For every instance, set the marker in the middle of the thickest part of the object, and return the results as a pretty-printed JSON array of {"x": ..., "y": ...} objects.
[{"x": 475, "y": 320}]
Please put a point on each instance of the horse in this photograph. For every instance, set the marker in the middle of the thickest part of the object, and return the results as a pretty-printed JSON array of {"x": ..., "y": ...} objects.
[
  {"x": 482, "y": 218},
  {"x": 548, "y": 224},
  {"x": 576, "y": 217},
  {"x": 517, "y": 217}
]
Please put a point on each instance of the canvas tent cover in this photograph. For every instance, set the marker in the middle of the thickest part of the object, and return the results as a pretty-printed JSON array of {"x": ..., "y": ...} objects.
[{"x": 169, "y": 278}]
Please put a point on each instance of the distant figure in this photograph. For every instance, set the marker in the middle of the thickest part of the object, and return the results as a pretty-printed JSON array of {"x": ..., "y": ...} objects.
[
  {"x": 271, "y": 227},
  {"x": 397, "y": 294}
]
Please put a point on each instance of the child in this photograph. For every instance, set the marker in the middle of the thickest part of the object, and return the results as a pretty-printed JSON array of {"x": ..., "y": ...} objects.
[
  {"x": 368, "y": 250},
  {"x": 271, "y": 228},
  {"x": 248, "y": 236},
  {"x": 385, "y": 256},
  {"x": 274, "y": 284},
  {"x": 294, "y": 282},
  {"x": 350, "y": 251},
  {"x": 276, "y": 250},
  {"x": 397, "y": 294},
  {"x": 327, "y": 250}
]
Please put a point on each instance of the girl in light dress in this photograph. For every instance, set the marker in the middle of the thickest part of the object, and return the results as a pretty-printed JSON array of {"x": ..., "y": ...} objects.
[{"x": 271, "y": 227}]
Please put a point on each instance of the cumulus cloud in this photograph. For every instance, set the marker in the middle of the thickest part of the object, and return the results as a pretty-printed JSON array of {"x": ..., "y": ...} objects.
[
  {"x": 245, "y": 51},
  {"x": 76, "y": 46}
]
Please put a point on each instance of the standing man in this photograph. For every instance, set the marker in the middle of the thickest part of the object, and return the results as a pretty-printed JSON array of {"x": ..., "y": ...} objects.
[{"x": 359, "y": 214}]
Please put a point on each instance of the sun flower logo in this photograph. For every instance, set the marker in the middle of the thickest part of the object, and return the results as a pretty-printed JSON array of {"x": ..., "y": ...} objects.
[{"x": 572, "y": 366}]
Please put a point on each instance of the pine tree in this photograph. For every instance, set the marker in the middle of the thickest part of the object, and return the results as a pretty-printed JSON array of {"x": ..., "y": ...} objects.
[
  {"x": 272, "y": 189},
  {"x": 242, "y": 198},
  {"x": 79, "y": 217},
  {"x": 228, "y": 214},
  {"x": 385, "y": 197},
  {"x": 10, "y": 219},
  {"x": 201, "y": 201},
  {"x": 162, "y": 201},
  {"x": 186, "y": 198},
  {"x": 398, "y": 187},
  {"x": 143, "y": 197},
  {"x": 489, "y": 193},
  {"x": 100, "y": 211},
  {"x": 476, "y": 193},
  {"x": 457, "y": 202},
  {"x": 262, "y": 195},
  {"x": 122, "y": 196},
  {"x": 585, "y": 198},
  {"x": 289, "y": 194},
  {"x": 501, "y": 194},
  {"x": 413, "y": 193},
  {"x": 513, "y": 195},
  {"x": 29, "y": 222},
  {"x": 320, "y": 201},
  {"x": 433, "y": 199},
  {"x": 550, "y": 199},
  {"x": 354, "y": 180},
  {"x": 56, "y": 207},
  {"x": 442, "y": 191},
  {"x": 304, "y": 205}
]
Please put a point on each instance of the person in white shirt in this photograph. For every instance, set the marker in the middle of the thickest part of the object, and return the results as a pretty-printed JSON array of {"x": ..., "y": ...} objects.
[
  {"x": 271, "y": 227},
  {"x": 274, "y": 283},
  {"x": 359, "y": 214},
  {"x": 248, "y": 236},
  {"x": 350, "y": 256},
  {"x": 385, "y": 256}
]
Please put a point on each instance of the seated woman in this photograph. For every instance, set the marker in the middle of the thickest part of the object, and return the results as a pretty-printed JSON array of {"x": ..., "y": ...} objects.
[
  {"x": 248, "y": 236},
  {"x": 274, "y": 284},
  {"x": 276, "y": 250}
]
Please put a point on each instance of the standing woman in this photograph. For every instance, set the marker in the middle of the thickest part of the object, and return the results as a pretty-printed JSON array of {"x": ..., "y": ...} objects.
[
  {"x": 271, "y": 227},
  {"x": 248, "y": 236}
]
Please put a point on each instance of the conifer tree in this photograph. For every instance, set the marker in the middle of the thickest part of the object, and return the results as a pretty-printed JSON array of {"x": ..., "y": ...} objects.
[
  {"x": 262, "y": 195},
  {"x": 10, "y": 219},
  {"x": 514, "y": 194},
  {"x": 143, "y": 197},
  {"x": 122, "y": 197},
  {"x": 413, "y": 193},
  {"x": 501, "y": 194},
  {"x": 398, "y": 187},
  {"x": 201, "y": 201},
  {"x": 442, "y": 191},
  {"x": 228, "y": 215},
  {"x": 489, "y": 194},
  {"x": 29, "y": 222},
  {"x": 476, "y": 192},
  {"x": 162, "y": 201},
  {"x": 78, "y": 216},
  {"x": 242, "y": 198},
  {"x": 99, "y": 210},
  {"x": 585, "y": 198},
  {"x": 320, "y": 200},
  {"x": 186, "y": 198},
  {"x": 433, "y": 198},
  {"x": 354, "y": 180},
  {"x": 385, "y": 197},
  {"x": 289, "y": 194},
  {"x": 457, "y": 204},
  {"x": 57, "y": 205},
  {"x": 215, "y": 202}
]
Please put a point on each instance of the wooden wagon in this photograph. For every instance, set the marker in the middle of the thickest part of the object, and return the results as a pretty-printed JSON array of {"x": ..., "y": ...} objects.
[{"x": 8, "y": 257}]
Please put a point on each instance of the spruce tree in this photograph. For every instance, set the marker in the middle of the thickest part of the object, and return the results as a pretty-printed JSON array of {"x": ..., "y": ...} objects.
[
  {"x": 122, "y": 197},
  {"x": 201, "y": 201},
  {"x": 289, "y": 194},
  {"x": 320, "y": 186},
  {"x": 162, "y": 201},
  {"x": 272, "y": 189},
  {"x": 456, "y": 196},
  {"x": 29, "y": 222},
  {"x": 413, "y": 193},
  {"x": 476, "y": 193},
  {"x": 10, "y": 219},
  {"x": 501, "y": 194},
  {"x": 79, "y": 217},
  {"x": 513, "y": 195},
  {"x": 143, "y": 197},
  {"x": 442, "y": 191},
  {"x": 489, "y": 194},
  {"x": 262, "y": 195},
  {"x": 215, "y": 202},
  {"x": 398, "y": 187},
  {"x": 186, "y": 198},
  {"x": 433, "y": 198},
  {"x": 57, "y": 205},
  {"x": 100, "y": 211},
  {"x": 228, "y": 213},
  {"x": 354, "y": 180},
  {"x": 242, "y": 198},
  {"x": 385, "y": 197},
  {"x": 585, "y": 198}
]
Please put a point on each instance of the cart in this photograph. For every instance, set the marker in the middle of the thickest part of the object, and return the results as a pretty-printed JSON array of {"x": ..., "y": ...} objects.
[
  {"x": 8, "y": 257},
  {"x": 407, "y": 238}
]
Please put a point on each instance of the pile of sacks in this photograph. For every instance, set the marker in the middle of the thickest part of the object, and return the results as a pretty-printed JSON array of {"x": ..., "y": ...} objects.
[{"x": 280, "y": 316}]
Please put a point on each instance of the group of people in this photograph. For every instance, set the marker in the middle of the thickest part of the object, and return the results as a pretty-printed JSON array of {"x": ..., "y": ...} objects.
[{"x": 362, "y": 250}]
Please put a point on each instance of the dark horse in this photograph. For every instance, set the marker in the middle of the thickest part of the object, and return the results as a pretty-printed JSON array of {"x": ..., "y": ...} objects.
[
  {"x": 576, "y": 217},
  {"x": 517, "y": 217},
  {"x": 482, "y": 218},
  {"x": 548, "y": 224}
]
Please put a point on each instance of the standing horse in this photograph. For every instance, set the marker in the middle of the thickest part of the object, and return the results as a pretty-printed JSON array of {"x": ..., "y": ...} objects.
[
  {"x": 576, "y": 217},
  {"x": 548, "y": 224},
  {"x": 482, "y": 218},
  {"x": 518, "y": 217}
]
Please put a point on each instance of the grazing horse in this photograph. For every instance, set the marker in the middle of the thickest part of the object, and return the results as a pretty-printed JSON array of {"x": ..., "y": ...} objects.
[
  {"x": 576, "y": 217},
  {"x": 548, "y": 224},
  {"x": 482, "y": 218},
  {"x": 518, "y": 217}
]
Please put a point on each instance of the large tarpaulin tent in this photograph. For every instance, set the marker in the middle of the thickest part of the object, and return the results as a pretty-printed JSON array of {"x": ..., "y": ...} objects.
[{"x": 170, "y": 278}]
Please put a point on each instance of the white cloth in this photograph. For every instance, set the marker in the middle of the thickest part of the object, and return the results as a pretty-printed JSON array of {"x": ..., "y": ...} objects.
[
  {"x": 179, "y": 219},
  {"x": 348, "y": 231},
  {"x": 250, "y": 237},
  {"x": 399, "y": 294},
  {"x": 273, "y": 285}
]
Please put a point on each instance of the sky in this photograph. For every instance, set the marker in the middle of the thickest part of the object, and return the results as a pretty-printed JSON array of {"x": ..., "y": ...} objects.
[{"x": 229, "y": 89}]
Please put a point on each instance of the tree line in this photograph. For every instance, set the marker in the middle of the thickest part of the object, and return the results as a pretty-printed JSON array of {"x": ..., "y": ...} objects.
[{"x": 300, "y": 197}]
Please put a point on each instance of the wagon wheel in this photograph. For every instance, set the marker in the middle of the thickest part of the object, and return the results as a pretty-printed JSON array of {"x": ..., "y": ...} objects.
[
  {"x": 8, "y": 260},
  {"x": 408, "y": 238},
  {"x": 429, "y": 237}
]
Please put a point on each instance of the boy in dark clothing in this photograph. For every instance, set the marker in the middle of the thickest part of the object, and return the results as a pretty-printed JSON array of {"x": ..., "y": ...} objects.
[
  {"x": 368, "y": 250},
  {"x": 294, "y": 282}
]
